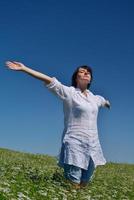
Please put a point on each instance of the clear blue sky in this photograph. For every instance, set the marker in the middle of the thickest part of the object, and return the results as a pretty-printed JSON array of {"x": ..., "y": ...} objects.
[{"x": 54, "y": 37}]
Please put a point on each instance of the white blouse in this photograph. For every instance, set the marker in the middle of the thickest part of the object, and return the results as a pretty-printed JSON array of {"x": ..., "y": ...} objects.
[{"x": 80, "y": 136}]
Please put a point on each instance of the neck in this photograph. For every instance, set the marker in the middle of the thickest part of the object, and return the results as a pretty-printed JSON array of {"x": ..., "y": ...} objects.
[{"x": 83, "y": 88}]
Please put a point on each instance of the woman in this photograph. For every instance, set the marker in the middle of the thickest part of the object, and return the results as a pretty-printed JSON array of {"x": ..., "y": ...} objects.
[{"x": 81, "y": 150}]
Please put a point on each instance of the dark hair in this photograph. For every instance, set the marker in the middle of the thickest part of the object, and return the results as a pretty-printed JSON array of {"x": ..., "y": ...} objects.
[{"x": 74, "y": 83}]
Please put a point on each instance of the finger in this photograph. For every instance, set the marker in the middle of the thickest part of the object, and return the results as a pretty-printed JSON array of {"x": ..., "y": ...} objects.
[
  {"x": 15, "y": 62},
  {"x": 8, "y": 62},
  {"x": 10, "y": 65}
]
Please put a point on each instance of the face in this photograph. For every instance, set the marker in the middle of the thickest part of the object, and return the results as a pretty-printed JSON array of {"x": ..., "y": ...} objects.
[{"x": 83, "y": 76}]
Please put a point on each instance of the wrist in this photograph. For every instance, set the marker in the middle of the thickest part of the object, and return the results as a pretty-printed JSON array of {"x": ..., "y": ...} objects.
[{"x": 23, "y": 68}]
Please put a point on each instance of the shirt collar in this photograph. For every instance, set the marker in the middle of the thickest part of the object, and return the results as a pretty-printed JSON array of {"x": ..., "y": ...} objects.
[{"x": 78, "y": 89}]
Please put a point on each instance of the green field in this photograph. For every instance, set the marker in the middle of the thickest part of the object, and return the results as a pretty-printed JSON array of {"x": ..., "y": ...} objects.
[{"x": 26, "y": 176}]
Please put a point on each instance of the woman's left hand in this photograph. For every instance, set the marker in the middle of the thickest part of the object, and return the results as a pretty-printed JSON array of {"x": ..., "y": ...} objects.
[{"x": 107, "y": 104}]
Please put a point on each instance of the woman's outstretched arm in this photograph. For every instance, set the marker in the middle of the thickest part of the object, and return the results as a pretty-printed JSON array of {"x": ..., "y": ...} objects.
[{"x": 21, "y": 67}]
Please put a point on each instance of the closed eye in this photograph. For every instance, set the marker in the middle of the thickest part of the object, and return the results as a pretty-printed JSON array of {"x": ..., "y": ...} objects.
[{"x": 85, "y": 72}]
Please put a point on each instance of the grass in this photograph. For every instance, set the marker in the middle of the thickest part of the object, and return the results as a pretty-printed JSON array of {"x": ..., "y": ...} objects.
[{"x": 26, "y": 176}]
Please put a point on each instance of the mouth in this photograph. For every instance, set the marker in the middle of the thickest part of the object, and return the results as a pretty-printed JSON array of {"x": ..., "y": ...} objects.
[{"x": 85, "y": 77}]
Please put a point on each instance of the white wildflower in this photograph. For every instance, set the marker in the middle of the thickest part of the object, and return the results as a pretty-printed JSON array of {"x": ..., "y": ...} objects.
[
  {"x": 13, "y": 181},
  {"x": 5, "y": 190},
  {"x": 6, "y": 184},
  {"x": 21, "y": 196},
  {"x": 42, "y": 193}
]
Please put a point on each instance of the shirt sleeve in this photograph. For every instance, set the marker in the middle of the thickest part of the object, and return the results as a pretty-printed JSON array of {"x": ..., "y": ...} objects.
[
  {"x": 100, "y": 100},
  {"x": 59, "y": 89}
]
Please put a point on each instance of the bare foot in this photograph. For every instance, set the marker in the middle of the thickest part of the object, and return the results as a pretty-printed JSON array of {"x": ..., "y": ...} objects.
[
  {"x": 83, "y": 184},
  {"x": 74, "y": 185}
]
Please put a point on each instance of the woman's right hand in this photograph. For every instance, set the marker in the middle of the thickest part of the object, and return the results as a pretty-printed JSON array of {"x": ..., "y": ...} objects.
[
  {"x": 15, "y": 65},
  {"x": 20, "y": 67}
]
